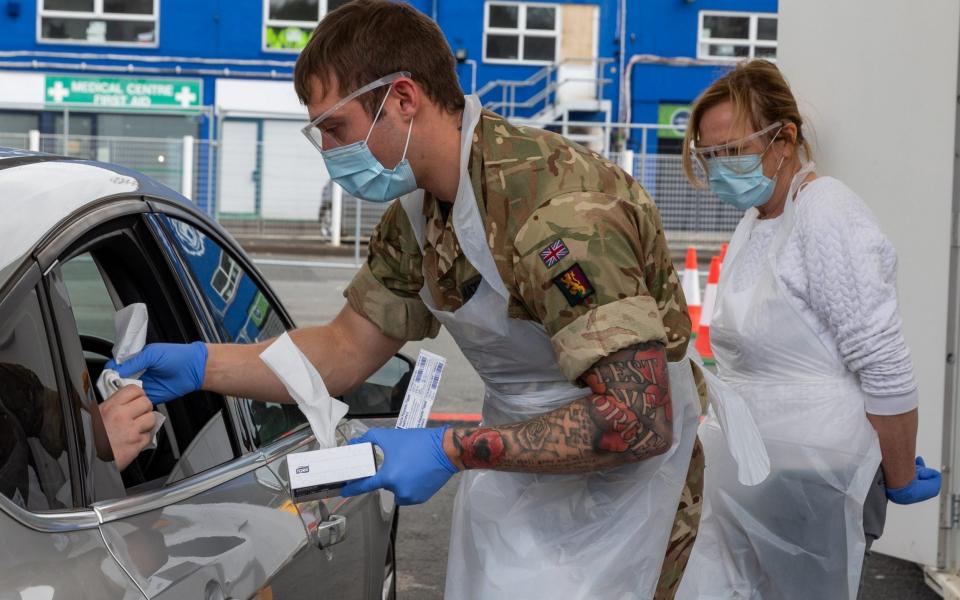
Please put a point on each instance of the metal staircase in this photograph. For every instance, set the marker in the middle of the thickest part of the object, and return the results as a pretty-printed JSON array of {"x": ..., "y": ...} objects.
[{"x": 566, "y": 97}]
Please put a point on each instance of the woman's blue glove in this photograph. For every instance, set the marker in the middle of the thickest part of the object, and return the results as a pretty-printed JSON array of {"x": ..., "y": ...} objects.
[
  {"x": 925, "y": 485},
  {"x": 414, "y": 464},
  {"x": 169, "y": 370}
]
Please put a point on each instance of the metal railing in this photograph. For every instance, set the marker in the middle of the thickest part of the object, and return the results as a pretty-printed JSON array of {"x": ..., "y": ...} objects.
[
  {"x": 541, "y": 88},
  {"x": 14, "y": 140},
  {"x": 277, "y": 196}
]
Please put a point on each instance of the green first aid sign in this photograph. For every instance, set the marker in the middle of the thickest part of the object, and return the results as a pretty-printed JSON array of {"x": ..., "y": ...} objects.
[
  {"x": 675, "y": 115},
  {"x": 123, "y": 93}
]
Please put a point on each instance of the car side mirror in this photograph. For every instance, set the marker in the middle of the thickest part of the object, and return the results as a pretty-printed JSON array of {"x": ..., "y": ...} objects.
[{"x": 382, "y": 394}]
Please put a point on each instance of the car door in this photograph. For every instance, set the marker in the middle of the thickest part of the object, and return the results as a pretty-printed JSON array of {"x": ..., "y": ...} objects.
[
  {"x": 202, "y": 515},
  {"x": 245, "y": 310},
  {"x": 52, "y": 547}
]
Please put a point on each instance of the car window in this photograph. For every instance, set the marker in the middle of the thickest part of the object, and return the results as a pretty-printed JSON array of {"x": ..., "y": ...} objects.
[
  {"x": 120, "y": 269},
  {"x": 242, "y": 311},
  {"x": 92, "y": 305},
  {"x": 34, "y": 465}
]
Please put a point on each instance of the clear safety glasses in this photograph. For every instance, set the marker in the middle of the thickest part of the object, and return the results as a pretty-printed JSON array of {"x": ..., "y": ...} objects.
[
  {"x": 324, "y": 135},
  {"x": 731, "y": 152}
]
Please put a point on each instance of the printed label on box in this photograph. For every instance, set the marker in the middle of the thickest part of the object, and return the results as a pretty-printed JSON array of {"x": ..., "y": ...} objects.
[{"x": 330, "y": 467}]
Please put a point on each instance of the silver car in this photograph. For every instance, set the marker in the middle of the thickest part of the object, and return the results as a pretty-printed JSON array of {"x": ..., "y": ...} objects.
[{"x": 208, "y": 513}]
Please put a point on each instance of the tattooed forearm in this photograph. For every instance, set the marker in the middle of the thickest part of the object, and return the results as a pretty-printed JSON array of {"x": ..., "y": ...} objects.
[{"x": 626, "y": 418}]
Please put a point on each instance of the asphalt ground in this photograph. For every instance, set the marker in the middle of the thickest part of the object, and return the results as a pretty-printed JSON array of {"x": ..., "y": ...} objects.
[{"x": 315, "y": 295}]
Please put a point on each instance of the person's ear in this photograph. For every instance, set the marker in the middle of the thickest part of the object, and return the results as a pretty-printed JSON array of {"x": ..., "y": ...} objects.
[
  {"x": 408, "y": 98},
  {"x": 788, "y": 140}
]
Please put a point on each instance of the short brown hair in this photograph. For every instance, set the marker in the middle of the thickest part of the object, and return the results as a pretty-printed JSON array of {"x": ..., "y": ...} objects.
[
  {"x": 364, "y": 40},
  {"x": 760, "y": 96}
]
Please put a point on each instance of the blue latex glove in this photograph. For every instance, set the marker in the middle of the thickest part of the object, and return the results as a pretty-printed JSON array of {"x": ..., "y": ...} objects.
[
  {"x": 170, "y": 370},
  {"x": 414, "y": 464},
  {"x": 925, "y": 485}
]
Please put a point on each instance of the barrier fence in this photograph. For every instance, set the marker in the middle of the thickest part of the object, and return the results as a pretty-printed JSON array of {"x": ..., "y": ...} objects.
[{"x": 278, "y": 192}]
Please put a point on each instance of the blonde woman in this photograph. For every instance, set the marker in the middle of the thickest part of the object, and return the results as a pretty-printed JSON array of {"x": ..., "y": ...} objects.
[{"x": 807, "y": 329}]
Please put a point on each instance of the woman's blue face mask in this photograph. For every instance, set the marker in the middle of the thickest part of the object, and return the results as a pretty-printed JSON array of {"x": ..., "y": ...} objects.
[
  {"x": 738, "y": 179},
  {"x": 353, "y": 166},
  {"x": 735, "y": 182}
]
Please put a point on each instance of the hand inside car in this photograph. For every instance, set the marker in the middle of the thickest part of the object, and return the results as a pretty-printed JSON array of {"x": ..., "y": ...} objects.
[{"x": 128, "y": 418}]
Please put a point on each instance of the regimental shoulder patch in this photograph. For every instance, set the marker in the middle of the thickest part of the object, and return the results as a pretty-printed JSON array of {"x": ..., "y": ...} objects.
[
  {"x": 574, "y": 284},
  {"x": 554, "y": 253}
]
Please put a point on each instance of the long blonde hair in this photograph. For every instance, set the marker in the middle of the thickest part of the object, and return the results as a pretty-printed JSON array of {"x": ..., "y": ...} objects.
[{"x": 760, "y": 96}]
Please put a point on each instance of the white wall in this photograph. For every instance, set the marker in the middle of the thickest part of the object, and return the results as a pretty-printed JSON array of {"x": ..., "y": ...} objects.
[
  {"x": 254, "y": 97},
  {"x": 877, "y": 79},
  {"x": 22, "y": 90}
]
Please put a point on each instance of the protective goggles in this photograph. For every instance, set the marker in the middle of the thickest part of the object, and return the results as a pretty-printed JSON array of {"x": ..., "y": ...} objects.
[
  {"x": 720, "y": 152},
  {"x": 321, "y": 138}
]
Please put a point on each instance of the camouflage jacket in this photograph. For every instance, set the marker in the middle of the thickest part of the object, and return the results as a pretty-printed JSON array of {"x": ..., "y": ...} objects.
[{"x": 578, "y": 243}]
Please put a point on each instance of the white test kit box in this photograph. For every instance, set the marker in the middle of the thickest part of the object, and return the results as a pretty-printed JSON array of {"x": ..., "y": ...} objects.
[{"x": 318, "y": 471}]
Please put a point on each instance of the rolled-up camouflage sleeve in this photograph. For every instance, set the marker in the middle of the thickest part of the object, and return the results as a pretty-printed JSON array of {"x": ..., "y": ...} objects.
[
  {"x": 386, "y": 289},
  {"x": 596, "y": 271}
]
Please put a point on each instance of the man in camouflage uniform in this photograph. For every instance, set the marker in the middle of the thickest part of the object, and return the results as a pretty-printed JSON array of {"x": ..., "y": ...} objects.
[
  {"x": 577, "y": 243},
  {"x": 527, "y": 202}
]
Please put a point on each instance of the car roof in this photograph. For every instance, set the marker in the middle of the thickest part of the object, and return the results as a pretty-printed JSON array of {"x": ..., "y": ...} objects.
[{"x": 39, "y": 191}]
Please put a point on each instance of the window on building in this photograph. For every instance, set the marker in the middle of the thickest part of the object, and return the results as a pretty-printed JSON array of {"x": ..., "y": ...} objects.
[
  {"x": 737, "y": 35},
  {"x": 287, "y": 24},
  {"x": 101, "y": 22},
  {"x": 517, "y": 32}
]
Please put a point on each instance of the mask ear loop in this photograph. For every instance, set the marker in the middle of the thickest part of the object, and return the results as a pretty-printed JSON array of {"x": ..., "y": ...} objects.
[
  {"x": 779, "y": 165},
  {"x": 377, "y": 117},
  {"x": 772, "y": 140},
  {"x": 407, "y": 145},
  {"x": 769, "y": 145}
]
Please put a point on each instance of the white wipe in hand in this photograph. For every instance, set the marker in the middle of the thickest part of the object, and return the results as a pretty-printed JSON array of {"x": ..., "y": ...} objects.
[
  {"x": 110, "y": 382},
  {"x": 421, "y": 392},
  {"x": 306, "y": 387},
  {"x": 130, "y": 323}
]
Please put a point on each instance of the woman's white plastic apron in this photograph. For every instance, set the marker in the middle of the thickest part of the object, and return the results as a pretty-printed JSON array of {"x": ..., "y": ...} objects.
[
  {"x": 517, "y": 535},
  {"x": 799, "y": 534}
]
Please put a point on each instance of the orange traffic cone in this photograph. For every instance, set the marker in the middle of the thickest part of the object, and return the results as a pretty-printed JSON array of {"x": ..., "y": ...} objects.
[
  {"x": 691, "y": 287},
  {"x": 709, "y": 300},
  {"x": 723, "y": 252}
]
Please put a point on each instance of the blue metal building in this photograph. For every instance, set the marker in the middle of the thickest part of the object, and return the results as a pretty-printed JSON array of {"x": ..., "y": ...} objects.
[{"x": 220, "y": 70}]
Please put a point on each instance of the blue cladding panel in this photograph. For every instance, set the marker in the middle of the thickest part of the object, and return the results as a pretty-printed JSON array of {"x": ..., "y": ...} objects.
[{"x": 228, "y": 29}]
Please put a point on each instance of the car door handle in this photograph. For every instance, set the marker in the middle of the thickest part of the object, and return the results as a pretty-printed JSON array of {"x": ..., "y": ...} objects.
[{"x": 330, "y": 532}]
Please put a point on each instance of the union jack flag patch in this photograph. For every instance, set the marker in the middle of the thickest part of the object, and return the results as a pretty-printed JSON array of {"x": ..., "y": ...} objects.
[{"x": 553, "y": 253}]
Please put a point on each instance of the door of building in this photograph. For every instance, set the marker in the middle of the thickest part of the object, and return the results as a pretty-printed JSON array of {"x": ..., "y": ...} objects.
[
  {"x": 239, "y": 168},
  {"x": 578, "y": 53}
]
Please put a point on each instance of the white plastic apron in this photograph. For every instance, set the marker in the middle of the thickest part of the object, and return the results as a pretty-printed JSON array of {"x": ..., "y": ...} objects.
[
  {"x": 517, "y": 535},
  {"x": 799, "y": 534}
]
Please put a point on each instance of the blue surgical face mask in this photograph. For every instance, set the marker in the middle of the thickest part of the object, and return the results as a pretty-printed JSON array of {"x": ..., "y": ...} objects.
[
  {"x": 360, "y": 174},
  {"x": 739, "y": 180}
]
